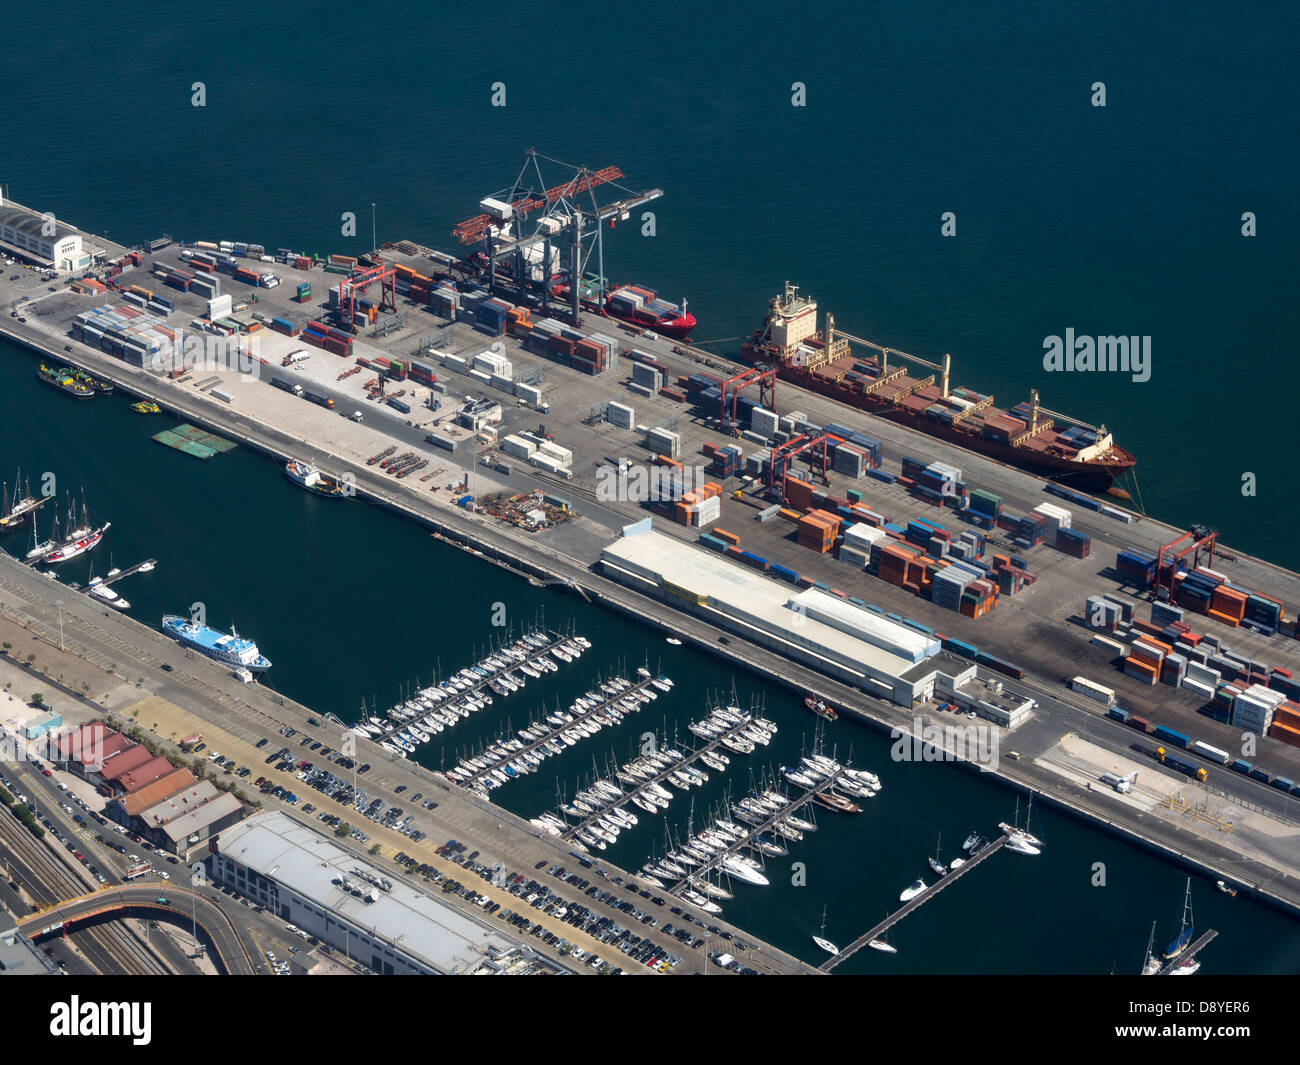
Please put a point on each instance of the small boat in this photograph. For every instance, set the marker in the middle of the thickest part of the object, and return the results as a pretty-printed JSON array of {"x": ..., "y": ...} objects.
[
  {"x": 674, "y": 641},
  {"x": 883, "y": 945},
  {"x": 820, "y": 708},
  {"x": 65, "y": 380},
  {"x": 106, "y": 594},
  {"x": 939, "y": 868},
  {"x": 313, "y": 480},
  {"x": 956, "y": 864},
  {"x": 1227, "y": 889},
  {"x": 1183, "y": 940},
  {"x": 104, "y": 388},
  {"x": 822, "y": 941},
  {"x": 971, "y": 840},
  {"x": 910, "y": 893},
  {"x": 146, "y": 407}
]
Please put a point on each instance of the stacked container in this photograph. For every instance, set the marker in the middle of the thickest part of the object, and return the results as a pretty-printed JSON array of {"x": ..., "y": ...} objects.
[
  {"x": 1101, "y": 613},
  {"x": 663, "y": 442},
  {"x": 817, "y": 529},
  {"x": 1139, "y": 567},
  {"x": 647, "y": 376},
  {"x": 620, "y": 415},
  {"x": 949, "y": 585},
  {"x": 1285, "y": 725},
  {"x": 1254, "y": 708}
]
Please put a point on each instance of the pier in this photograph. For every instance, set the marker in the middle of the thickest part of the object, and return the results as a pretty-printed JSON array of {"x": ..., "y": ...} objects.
[
  {"x": 554, "y": 639},
  {"x": 528, "y": 748},
  {"x": 1173, "y": 963},
  {"x": 912, "y": 904},
  {"x": 140, "y": 567},
  {"x": 689, "y": 757},
  {"x": 792, "y": 807}
]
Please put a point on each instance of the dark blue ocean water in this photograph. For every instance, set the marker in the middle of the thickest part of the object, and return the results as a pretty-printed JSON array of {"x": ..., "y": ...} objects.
[
  {"x": 1117, "y": 220},
  {"x": 1122, "y": 220}
]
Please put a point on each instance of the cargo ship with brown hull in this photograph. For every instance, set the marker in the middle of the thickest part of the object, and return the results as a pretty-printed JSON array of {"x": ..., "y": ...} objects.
[{"x": 1027, "y": 435}]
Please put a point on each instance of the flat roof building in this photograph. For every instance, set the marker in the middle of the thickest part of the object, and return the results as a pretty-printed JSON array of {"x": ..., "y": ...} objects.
[
  {"x": 387, "y": 925},
  {"x": 839, "y": 638}
]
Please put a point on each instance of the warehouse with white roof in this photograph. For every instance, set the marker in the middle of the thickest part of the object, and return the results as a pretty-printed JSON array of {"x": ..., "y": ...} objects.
[
  {"x": 853, "y": 645},
  {"x": 387, "y": 925}
]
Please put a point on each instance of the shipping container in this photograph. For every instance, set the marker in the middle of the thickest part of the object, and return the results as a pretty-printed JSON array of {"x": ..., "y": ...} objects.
[
  {"x": 1168, "y": 735},
  {"x": 1092, "y": 690},
  {"x": 1212, "y": 753}
]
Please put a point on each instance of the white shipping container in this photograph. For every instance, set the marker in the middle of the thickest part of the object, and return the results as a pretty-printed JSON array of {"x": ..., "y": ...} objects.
[
  {"x": 518, "y": 447},
  {"x": 1093, "y": 690},
  {"x": 1212, "y": 753},
  {"x": 560, "y": 454},
  {"x": 479, "y": 375}
]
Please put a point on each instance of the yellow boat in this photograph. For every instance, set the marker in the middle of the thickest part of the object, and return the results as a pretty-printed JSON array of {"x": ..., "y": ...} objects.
[{"x": 145, "y": 407}]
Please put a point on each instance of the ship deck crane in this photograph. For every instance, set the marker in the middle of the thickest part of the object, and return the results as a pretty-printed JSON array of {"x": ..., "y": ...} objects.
[
  {"x": 569, "y": 207},
  {"x": 832, "y": 334}
]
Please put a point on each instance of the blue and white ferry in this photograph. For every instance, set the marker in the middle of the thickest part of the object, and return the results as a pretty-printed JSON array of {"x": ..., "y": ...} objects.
[{"x": 228, "y": 648}]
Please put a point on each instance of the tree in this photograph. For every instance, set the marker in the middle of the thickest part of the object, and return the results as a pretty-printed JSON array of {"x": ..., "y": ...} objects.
[
  {"x": 344, "y": 829},
  {"x": 374, "y": 848},
  {"x": 38, "y": 699}
]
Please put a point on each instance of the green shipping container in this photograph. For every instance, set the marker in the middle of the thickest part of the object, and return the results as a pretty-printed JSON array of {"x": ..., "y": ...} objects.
[{"x": 854, "y": 495}]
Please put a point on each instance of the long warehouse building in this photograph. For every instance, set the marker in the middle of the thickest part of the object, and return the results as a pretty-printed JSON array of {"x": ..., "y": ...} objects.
[
  {"x": 839, "y": 638},
  {"x": 386, "y": 925}
]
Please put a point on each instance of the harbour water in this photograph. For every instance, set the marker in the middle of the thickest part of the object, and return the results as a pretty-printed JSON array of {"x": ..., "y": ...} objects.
[
  {"x": 353, "y": 603},
  {"x": 1117, "y": 220}
]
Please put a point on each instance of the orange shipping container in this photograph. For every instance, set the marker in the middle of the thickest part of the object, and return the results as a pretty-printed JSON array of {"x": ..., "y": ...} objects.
[
  {"x": 1285, "y": 733},
  {"x": 1140, "y": 667},
  {"x": 1287, "y": 716},
  {"x": 1219, "y": 615},
  {"x": 730, "y": 537}
]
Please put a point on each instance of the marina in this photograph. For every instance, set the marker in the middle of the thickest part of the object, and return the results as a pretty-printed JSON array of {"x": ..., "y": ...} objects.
[
  {"x": 441, "y": 705},
  {"x": 605, "y": 705}
]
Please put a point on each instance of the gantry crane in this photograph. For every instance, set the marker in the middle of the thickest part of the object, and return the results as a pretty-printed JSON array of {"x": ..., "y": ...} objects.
[
  {"x": 359, "y": 282},
  {"x": 505, "y": 231},
  {"x": 784, "y": 454},
  {"x": 763, "y": 376},
  {"x": 1197, "y": 537}
]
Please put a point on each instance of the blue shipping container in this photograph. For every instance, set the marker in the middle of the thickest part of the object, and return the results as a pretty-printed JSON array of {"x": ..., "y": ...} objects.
[{"x": 1169, "y": 735}]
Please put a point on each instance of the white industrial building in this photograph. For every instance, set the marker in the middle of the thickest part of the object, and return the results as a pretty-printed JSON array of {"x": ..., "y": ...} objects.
[
  {"x": 845, "y": 641},
  {"x": 389, "y": 926},
  {"x": 43, "y": 240}
]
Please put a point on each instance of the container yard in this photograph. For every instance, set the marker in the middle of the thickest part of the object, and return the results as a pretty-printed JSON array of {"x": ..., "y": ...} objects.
[
  {"x": 912, "y": 572},
  {"x": 809, "y": 492}
]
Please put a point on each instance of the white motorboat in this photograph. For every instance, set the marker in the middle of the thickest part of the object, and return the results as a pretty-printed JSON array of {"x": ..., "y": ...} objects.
[
  {"x": 106, "y": 594},
  {"x": 910, "y": 893}
]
